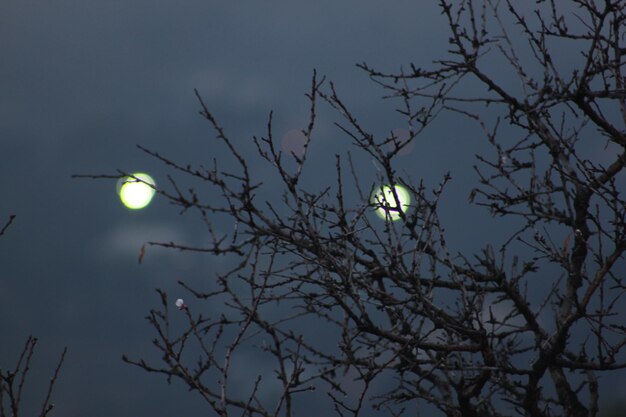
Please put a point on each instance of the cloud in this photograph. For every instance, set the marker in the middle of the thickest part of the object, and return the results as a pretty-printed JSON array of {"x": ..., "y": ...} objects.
[
  {"x": 223, "y": 85},
  {"x": 125, "y": 240}
]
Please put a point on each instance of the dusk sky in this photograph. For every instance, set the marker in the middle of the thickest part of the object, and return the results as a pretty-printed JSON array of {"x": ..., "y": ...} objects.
[{"x": 83, "y": 82}]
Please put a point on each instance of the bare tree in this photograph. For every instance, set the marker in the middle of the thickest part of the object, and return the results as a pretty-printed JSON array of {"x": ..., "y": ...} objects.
[
  {"x": 13, "y": 379},
  {"x": 521, "y": 327},
  {"x": 7, "y": 224}
]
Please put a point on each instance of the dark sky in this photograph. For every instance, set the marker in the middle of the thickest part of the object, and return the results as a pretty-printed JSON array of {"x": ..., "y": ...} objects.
[{"x": 82, "y": 82}]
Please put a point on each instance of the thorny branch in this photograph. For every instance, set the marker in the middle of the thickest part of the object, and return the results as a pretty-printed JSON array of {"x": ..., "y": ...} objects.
[
  {"x": 13, "y": 381},
  {"x": 7, "y": 224},
  {"x": 525, "y": 328}
]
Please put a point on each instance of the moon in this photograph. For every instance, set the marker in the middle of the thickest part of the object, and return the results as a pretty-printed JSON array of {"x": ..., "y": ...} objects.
[
  {"x": 385, "y": 202},
  {"x": 136, "y": 191}
]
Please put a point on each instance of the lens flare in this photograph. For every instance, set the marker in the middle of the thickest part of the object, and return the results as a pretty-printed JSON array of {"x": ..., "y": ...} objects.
[
  {"x": 136, "y": 191},
  {"x": 401, "y": 136},
  {"x": 385, "y": 202},
  {"x": 293, "y": 143}
]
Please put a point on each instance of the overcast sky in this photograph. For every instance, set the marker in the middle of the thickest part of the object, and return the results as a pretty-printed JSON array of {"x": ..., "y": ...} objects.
[{"x": 82, "y": 82}]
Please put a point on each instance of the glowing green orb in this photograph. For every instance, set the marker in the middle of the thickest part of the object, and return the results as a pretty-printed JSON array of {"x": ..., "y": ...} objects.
[
  {"x": 385, "y": 202},
  {"x": 136, "y": 191}
]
